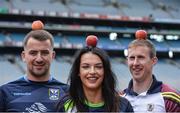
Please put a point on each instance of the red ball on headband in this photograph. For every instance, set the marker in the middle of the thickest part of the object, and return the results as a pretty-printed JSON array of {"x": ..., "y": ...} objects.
[
  {"x": 91, "y": 40},
  {"x": 141, "y": 34}
]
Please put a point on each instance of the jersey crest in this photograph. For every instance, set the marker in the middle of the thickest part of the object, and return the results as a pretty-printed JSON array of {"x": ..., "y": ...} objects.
[{"x": 54, "y": 94}]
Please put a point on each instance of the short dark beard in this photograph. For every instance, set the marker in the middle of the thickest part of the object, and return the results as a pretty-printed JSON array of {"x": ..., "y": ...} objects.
[{"x": 38, "y": 75}]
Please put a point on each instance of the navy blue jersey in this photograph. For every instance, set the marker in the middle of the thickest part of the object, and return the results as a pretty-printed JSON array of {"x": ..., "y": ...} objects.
[{"x": 23, "y": 95}]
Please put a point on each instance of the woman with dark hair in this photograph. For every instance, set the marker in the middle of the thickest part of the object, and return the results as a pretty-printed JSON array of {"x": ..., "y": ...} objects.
[{"x": 92, "y": 84}]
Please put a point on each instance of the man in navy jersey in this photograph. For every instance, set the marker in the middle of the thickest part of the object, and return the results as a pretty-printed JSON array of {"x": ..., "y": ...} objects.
[{"x": 37, "y": 91}]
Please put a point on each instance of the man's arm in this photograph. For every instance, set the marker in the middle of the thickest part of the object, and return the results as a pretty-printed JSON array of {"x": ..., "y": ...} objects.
[{"x": 2, "y": 100}]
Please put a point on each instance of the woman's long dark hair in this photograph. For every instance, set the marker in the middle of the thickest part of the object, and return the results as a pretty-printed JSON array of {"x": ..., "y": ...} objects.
[{"x": 109, "y": 93}]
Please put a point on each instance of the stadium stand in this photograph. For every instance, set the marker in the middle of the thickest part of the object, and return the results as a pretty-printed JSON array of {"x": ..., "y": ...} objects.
[
  {"x": 168, "y": 72},
  {"x": 9, "y": 69},
  {"x": 173, "y": 43},
  {"x": 153, "y": 8}
]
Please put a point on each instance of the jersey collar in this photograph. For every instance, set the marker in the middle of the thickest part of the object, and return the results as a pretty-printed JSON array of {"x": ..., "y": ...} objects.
[{"x": 154, "y": 88}]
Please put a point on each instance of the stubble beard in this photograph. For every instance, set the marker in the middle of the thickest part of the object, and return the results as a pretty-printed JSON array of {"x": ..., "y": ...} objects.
[{"x": 37, "y": 74}]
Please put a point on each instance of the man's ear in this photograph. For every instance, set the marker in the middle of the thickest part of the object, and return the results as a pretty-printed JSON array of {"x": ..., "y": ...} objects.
[
  {"x": 53, "y": 54},
  {"x": 126, "y": 60},
  {"x": 155, "y": 60},
  {"x": 23, "y": 56}
]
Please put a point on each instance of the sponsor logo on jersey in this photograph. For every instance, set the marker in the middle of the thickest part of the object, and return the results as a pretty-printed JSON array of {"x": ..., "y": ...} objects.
[
  {"x": 54, "y": 94},
  {"x": 21, "y": 94}
]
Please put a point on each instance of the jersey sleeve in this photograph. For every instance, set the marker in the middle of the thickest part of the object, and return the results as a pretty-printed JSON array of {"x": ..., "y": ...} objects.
[
  {"x": 171, "y": 99},
  {"x": 2, "y": 101}
]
